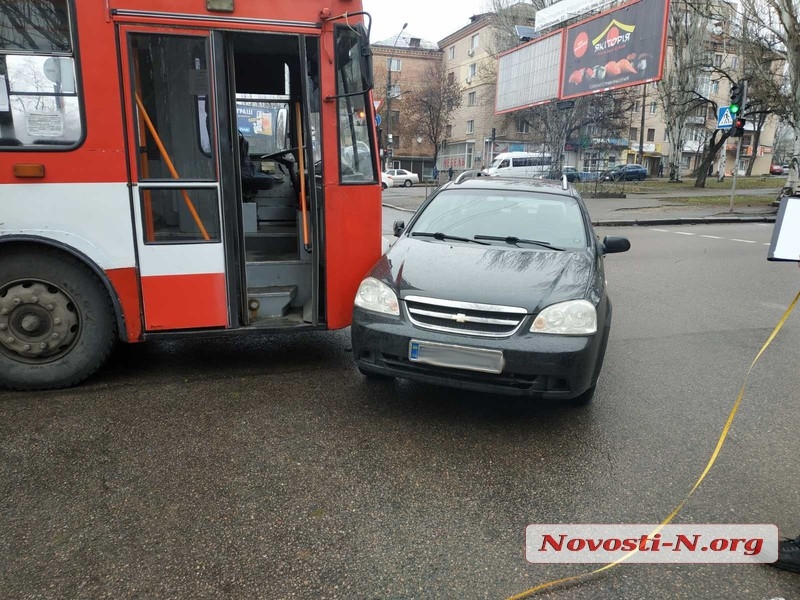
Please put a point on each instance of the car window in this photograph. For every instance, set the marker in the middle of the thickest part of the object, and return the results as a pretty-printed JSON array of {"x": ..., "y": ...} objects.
[{"x": 546, "y": 217}]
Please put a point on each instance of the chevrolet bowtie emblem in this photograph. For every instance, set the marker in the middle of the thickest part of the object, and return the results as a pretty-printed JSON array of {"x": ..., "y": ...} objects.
[{"x": 460, "y": 318}]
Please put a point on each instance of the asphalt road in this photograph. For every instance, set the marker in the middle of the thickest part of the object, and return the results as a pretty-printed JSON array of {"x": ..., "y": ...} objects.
[{"x": 267, "y": 467}]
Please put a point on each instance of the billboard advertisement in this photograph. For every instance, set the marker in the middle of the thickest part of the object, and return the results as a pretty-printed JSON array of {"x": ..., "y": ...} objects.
[
  {"x": 616, "y": 49},
  {"x": 536, "y": 62}
]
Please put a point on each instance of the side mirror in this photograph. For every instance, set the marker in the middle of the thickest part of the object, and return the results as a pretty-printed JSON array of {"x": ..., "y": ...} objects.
[
  {"x": 399, "y": 228},
  {"x": 615, "y": 243}
]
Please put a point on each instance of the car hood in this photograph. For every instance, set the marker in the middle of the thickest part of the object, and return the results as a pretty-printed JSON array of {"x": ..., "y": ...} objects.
[{"x": 528, "y": 278}]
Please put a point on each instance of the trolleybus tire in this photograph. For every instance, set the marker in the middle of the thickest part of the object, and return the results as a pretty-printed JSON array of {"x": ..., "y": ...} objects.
[{"x": 57, "y": 324}]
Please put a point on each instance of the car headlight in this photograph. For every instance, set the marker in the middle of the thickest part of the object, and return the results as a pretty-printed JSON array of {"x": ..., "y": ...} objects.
[
  {"x": 377, "y": 296},
  {"x": 574, "y": 317}
]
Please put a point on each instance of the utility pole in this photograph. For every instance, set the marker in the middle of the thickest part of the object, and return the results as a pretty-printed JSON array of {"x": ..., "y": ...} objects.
[
  {"x": 641, "y": 131},
  {"x": 389, "y": 153}
]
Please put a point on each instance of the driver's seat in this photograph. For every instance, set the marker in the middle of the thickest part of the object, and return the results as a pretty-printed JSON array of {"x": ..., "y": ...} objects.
[{"x": 253, "y": 181}]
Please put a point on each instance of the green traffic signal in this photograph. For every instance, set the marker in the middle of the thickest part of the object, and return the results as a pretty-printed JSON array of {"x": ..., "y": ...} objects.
[{"x": 734, "y": 108}]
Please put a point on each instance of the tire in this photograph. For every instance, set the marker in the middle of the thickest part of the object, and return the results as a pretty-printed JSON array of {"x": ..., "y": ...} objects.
[
  {"x": 384, "y": 186},
  {"x": 374, "y": 376},
  {"x": 58, "y": 344},
  {"x": 407, "y": 183}
]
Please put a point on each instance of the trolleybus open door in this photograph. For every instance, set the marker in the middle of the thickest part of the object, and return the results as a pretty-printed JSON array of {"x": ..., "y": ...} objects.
[{"x": 174, "y": 170}]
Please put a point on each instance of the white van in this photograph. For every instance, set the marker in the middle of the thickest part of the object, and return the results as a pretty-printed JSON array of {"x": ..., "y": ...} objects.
[{"x": 519, "y": 164}]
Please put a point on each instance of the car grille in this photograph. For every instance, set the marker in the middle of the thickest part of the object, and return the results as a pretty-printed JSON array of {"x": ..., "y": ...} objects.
[{"x": 487, "y": 320}]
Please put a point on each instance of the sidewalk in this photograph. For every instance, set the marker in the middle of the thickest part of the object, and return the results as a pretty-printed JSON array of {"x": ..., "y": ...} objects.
[{"x": 636, "y": 209}]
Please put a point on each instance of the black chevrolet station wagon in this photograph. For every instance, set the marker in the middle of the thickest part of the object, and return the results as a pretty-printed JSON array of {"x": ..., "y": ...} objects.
[{"x": 495, "y": 285}]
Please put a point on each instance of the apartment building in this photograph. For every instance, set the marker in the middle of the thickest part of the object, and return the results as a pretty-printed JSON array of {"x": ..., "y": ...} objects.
[
  {"x": 405, "y": 59},
  {"x": 469, "y": 60}
]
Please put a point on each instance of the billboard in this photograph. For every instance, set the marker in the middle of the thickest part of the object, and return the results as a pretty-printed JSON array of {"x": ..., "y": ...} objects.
[
  {"x": 529, "y": 75},
  {"x": 616, "y": 49},
  {"x": 561, "y": 11}
]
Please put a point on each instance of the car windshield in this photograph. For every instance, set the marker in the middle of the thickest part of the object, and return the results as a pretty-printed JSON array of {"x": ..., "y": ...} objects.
[{"x": 504, "y": 213}]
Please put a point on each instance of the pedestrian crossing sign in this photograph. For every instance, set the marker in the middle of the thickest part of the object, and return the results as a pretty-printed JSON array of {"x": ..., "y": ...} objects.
[{"x": 724, "y": 118}]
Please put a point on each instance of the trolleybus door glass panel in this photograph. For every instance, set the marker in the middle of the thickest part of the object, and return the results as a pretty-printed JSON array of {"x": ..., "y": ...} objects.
[
  {"x": 357, "y": 163},
  {"x": 181, "y": 257}
]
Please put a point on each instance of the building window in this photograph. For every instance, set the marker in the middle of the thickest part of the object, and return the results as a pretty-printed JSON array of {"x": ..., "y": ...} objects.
[
  {"x": 472, "y": 99},
  {"x": 653, "y": 108},
  {"x": 472, "y": 70},
  {"x": 451, "y": 52},
  {"x": 634, "y": 135},
  {"x": 734, "y": 62},
  {"x": 395, "y": 118},
  {"x": 475, "y": 41},
  {"x": 651, "y": 135},
  {"x": 715, "y": 87},
  {"x": 523, "y": 126},
  {"x": 451, "y": 77},
  {"x": 635, "y": 107},
  {"x": 396, "y": 141},
  {"x": 394, "y": 91},
  {"x": 395, "y": 65},
  {"x": 448, "y": 131},
  {"x": 718, "y": 60},
  {"x": 470, "y": 126},
  {"x": 470, "y": 152}
]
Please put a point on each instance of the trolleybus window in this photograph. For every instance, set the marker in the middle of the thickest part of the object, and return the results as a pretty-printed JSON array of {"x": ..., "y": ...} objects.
[
  {"x": 357, "y": 156},
  {"x": 39, "y": 105}
]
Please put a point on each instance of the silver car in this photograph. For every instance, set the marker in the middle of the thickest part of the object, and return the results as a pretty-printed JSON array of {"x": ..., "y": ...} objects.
[{"x": 403, "y": 177}]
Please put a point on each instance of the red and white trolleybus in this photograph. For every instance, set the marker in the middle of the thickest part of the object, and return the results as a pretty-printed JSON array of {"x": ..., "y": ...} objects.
[{"x": 179, "y": 167}]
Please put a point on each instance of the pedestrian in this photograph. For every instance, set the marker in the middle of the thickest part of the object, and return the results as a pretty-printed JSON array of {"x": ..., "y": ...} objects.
[
  {"x": 450, "y": 174},
  {"x": 789, "y": 550},
  {"x": 661, "y": 169},
  {"x": 435, "y": 174}
]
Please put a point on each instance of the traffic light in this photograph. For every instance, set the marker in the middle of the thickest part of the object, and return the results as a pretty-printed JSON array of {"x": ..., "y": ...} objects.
[
  {"x": 736, "y": 108},
  {"x": 738, "y": 127},
  {"x": 738, "y": 98}
]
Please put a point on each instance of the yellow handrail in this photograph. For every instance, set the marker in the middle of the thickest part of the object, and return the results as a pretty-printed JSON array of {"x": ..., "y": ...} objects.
[
  {"x": 302, "y": 167},
  {"x": 189, "y": 204}
]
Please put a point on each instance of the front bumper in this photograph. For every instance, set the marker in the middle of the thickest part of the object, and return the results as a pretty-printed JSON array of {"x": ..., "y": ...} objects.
[{"x": 549, "y": 367}]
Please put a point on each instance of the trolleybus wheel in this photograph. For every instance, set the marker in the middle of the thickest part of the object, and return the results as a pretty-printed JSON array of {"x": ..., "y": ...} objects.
[{"x": 57, "y": 323}]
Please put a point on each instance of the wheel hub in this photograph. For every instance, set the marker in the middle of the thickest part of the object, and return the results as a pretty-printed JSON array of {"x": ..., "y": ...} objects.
[{"x": 37, "y": 320}]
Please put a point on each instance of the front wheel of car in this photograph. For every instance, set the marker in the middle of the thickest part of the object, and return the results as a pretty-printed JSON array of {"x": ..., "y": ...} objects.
[
  {"x": 407, "y": 183},
  {"x": 384, "y": 186}
]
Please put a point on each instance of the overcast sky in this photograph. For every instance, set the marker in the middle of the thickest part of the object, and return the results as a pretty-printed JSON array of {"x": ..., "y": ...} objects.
[{"x": 428, "y": 19}]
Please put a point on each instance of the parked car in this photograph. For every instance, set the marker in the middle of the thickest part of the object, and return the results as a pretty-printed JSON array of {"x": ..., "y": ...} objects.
[
  {"x": 775, "y": 170},
  {"x": 403, "y": 177},
  {"x": 626, "y": 173},
  {"x": 386, "y": 181},
  {"x": 572, "y": 174},
  {"x": 496, "y": 285}
]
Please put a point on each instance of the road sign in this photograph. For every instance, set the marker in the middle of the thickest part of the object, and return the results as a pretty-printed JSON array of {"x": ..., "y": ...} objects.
[
  {"x": 377, "y": 120},
  {"x": 724, "y": 118},
  {"x": 377, "y": 104}
]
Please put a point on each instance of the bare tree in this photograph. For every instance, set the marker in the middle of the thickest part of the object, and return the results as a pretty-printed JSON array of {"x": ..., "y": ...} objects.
[
  {"x": 431, "y": 106},
  {"x": 687, "y": 29},
  {"x": 605, "y": 114},
  {"x": 776, "y": 25}
]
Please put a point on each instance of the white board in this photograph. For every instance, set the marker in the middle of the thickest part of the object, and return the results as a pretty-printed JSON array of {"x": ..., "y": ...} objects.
[
  {"x": 529, "y": 75},
  {"x": 786, "y": 235}
]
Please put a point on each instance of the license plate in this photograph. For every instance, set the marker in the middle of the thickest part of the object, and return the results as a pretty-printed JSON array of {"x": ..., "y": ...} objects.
[{"x": 456, "y": 357}]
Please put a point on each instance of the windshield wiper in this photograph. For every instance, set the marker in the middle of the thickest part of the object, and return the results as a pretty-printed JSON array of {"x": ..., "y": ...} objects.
[
  {"x": 443, "y": 236},
  {"x": 513, "y": 240}
]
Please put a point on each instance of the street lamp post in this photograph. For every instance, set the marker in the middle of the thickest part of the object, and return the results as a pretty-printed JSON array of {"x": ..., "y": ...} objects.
[{"x": 389, "y": 97}]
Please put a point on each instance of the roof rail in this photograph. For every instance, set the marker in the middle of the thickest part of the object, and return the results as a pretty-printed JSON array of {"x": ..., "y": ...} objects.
[{"x": 468, "y": 175}]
